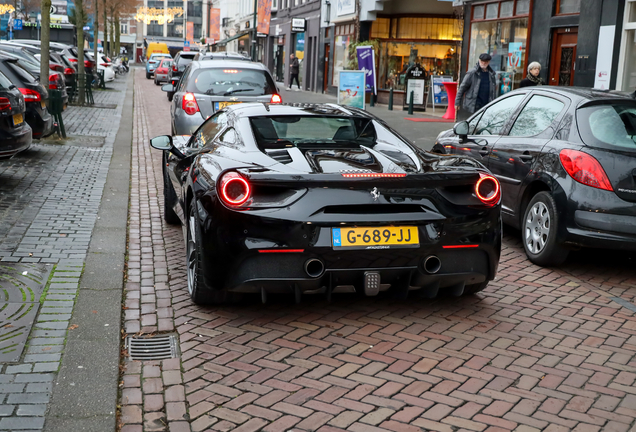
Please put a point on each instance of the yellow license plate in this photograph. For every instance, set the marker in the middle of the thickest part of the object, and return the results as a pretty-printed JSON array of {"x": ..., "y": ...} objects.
[
  {"x": 43, "y": 105},
  {"x": 17, "y": 119},
  {"x": 221, "y": 105},
  {"x": 375, "y": 237}
]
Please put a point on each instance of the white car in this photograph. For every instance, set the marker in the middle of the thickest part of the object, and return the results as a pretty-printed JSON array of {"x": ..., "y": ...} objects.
[{"x": 104, "y": 63}]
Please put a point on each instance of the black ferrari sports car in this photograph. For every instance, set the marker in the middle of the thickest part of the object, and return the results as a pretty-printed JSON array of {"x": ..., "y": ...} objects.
[{"x": 323, "y": 199}]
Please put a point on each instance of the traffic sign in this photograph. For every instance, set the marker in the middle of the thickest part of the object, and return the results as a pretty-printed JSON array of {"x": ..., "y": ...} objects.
[{"x": 17, "y": 24}]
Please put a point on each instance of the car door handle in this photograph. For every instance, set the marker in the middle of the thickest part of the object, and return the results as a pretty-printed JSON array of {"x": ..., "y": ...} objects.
[
  {"x": 526, "y": 157},
  {"x": 484, "y": 151}
]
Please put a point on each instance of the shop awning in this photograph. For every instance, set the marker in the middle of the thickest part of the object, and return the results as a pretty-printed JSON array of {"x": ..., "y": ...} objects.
[{"x": 225, "y": 41}]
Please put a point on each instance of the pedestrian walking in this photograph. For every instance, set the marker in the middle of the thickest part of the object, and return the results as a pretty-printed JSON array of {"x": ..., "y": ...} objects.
[
  {"x": 533, "y": 78},
  {"x": 477, "y": 89},
  {"x": 294, "y": 67}
]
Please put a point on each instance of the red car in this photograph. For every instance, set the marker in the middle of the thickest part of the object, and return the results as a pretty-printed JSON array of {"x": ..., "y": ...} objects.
[{"x": 161, "y": 73}]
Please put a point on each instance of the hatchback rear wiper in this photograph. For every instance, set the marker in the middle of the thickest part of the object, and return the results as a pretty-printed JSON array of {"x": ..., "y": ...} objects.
[{"x": 227, "y": 93}]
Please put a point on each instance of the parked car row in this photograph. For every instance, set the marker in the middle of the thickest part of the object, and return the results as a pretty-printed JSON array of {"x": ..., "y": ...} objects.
[{"x": 24, "y": 94}]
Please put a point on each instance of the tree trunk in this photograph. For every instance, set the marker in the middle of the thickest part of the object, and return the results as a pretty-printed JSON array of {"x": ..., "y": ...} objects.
[
  {"x": 112, "y": 33},
  {"x": 96, "y": 31},
  {"x": 104, "y": 42},
  {"x": 45, "y": 38},
  {"x": 79, "y": 14},
  {"x": 117, "y": 34}
]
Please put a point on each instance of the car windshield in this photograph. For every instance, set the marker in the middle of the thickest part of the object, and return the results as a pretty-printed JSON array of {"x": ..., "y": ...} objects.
[
  {"x": 230, "y": 81},
  {"x": 185, "y": 59},
  {"x": 611, "y": 126},
  {"x": 287, "y": 131}
]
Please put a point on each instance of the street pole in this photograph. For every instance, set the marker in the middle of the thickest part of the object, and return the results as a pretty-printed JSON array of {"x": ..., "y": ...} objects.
[{"x": 254, "y": 28}]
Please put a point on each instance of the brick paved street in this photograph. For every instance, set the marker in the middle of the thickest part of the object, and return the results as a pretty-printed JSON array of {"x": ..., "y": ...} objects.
[{"x": 539, "y": 349}]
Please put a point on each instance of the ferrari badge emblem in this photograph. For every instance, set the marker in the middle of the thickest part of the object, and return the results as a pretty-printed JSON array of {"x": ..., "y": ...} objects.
[{"x": 375, "y": 194}]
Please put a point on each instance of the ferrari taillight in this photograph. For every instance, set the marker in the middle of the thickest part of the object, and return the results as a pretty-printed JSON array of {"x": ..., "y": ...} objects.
[
  {"x": 234, "y": 190},
  {"x": 488, "y": 189},
  {"x": 189, "y": 104},
  {"x": 585, "y": 169}
]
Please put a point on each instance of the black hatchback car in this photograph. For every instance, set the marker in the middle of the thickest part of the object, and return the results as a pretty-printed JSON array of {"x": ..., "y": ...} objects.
[
  {"x": 566, "y": 160},
  {"x": 35, "y": 96},
  {"x": 178, "y": 66},
  {"x": 15, "y": 132}
]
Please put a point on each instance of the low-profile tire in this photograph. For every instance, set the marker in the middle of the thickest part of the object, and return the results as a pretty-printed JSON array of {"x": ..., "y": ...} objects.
[
  {"x": 148, "y": 76},
  {"x": 475, "y": 288},
  {"x": 169, "y": 199},
  {"x": 201, "y": 292},
  {"x": 539, "y": 229}
]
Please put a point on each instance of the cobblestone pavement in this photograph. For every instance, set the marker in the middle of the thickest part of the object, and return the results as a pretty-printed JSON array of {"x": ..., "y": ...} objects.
[
  {"x": 49, "y": 199},
  {"x": 539, "y": 349}
]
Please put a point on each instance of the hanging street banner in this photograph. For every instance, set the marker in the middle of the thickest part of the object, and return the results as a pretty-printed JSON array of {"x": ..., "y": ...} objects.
[
  {"x": 263, "y": 16},
  {"x": 215, "y": 24},
  {"x": 366, "y": 63},
  {"x": 190, "y": 31}
]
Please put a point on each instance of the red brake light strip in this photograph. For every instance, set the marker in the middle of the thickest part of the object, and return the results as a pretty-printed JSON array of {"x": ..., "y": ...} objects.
[
  {"x": 373, "y": 175},
  {"x": 281, "y": 250},
  {"x": 460, "y": 246}
]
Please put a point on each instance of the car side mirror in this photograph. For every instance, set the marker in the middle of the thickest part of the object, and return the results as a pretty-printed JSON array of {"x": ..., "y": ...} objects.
[
  {"x": 167, "y": 88},
  {"x": 461, "y": 130},
  {"x": 164, "y": 142}
]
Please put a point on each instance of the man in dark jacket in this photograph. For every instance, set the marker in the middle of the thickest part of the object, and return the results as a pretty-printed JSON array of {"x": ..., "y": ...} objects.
[
  {"x": 478, "y": 88},
  {"x": 294, "y": 67}
]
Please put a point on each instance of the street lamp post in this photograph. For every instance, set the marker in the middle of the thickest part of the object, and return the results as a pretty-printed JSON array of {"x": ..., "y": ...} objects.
[{"x": 255, "y": 31}]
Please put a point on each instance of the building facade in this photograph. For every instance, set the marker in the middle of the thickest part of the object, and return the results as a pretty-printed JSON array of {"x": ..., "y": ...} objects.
[
  {"x": 404, "y": 32},
  {"x": 577, "y": 43}
]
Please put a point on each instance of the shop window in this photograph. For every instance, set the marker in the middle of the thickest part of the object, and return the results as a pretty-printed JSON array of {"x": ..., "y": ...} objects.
[
  {"x": 506, "y": 9},
  {"x": 428, "y": 28},
  {"x": 155, "y": 30},
  {"x": 380, "y": 28},
  {"x": 492, "y": 10},
  {"x": 523, "y": 7},
  {"x": 565, "y": 7},
  {"x": 506, "y": 41},
  {"x": 478, "y": 12}
]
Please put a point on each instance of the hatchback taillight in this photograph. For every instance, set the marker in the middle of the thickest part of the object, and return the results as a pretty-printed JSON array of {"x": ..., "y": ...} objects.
[
  {"x": 189, "y": 104},
  {"x": 488, "y": 189},
  {"x": 30, "y": 95},
  {"x": 585, "y": 169},
  {"x": 234, "y": 190},
  {"x": 88, "y": 64},
  {"x": 68, "y": 71},
  {"x": 53, "y": 82},
  {"x": 72, "y": 60},
  {"x": 5, "y": 104},
  {"x": 174, "y": 68}
]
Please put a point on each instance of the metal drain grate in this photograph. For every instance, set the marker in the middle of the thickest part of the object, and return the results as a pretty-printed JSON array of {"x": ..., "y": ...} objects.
[{"x": 158, "y": 347}]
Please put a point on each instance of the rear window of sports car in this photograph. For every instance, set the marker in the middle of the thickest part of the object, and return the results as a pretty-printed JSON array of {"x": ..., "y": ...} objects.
[
  {"x": 231, "y": 81},
  {"x": 293, "y": 130},
  {"x": 610, "y": 126}
]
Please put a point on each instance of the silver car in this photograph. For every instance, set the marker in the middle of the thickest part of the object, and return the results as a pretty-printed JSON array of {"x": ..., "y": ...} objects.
[{"x": 208, "y": 86}]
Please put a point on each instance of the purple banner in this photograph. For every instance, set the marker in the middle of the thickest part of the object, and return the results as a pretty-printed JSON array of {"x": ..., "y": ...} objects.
[{"x": 366, "y": 63}]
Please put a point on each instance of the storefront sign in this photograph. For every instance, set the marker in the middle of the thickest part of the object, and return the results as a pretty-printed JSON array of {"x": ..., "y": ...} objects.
[
  {"x": 416, "y": 79},
  {"x": 417, "y": 88},
  {"x": 439, "y": 91},
  {"x": 345, "y": 7},
  {"x": 58, "y": 8},
  {"x": 264, "y": 15},
  {"x": 215, "y": 23},
  {"x": 604, "y": 57},
  {"x": 298, "y": 25},
  {"x": 366, "y": 64},
  {"x": 351, "y": 88}
]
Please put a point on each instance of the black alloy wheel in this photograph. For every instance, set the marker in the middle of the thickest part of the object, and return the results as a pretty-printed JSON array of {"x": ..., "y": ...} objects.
[
  {"x": 539, "y": 232},
  {"x": 198, "y": 288}
]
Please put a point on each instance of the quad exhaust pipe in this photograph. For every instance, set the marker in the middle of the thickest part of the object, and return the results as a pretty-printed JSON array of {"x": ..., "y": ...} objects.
[
  {"x": 431, "y": 264},
  {"x": 314, "y": 267}
]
